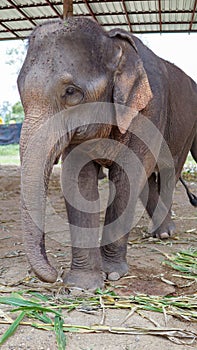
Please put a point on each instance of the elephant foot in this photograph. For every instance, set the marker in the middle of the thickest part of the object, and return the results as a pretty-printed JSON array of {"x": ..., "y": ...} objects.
[
  {"x": 88, "y": 280},
  {"x": 113, "y": 270},
  {"x": 165, "y": 231}
]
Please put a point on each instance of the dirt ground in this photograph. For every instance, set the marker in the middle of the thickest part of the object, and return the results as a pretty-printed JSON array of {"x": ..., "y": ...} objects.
[{"x": 146, "y": 270}]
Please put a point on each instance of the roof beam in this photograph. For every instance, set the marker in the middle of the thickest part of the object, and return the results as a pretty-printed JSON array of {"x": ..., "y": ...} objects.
[
  {"x": 193, "y": 14},
  {"x": 126, "y": 14},
  {"x": 23, "y": 6},
  {"x": 141, "y": 24},
  {"x": 90, "y": 10},
  {"x": 160, "y": 19},
  {"x": 2, "y": 22},
  {"x": 112, "y": 24},
  {"x": 21, "y": 19},
  {"x": 97, "y": 15},
  {"x": 21, "y": 12}
]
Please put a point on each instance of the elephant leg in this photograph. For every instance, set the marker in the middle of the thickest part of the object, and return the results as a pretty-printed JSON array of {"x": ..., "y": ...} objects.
[
  {"x": 115, "y": 233},
  {"x": 158, "y": 204},
  {"x": 194, "y": 149},
  {"x": 101, "y": 174},
  {"x": 82, "y": 203}
]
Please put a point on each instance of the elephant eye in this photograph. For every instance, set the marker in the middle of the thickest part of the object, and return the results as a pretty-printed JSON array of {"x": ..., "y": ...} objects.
[{"x": 73, "y": 95}]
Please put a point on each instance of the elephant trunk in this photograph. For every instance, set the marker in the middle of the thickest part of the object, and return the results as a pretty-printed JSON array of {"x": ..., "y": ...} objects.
[{"x": 38, "y": 154}]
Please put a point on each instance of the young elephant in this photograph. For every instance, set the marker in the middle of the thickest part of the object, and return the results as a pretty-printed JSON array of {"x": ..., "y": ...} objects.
[{"x": 100, "y": 99}]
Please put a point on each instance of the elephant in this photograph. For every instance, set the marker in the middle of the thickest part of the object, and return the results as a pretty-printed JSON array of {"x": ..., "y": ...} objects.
[{"x": 100, "y": 98}]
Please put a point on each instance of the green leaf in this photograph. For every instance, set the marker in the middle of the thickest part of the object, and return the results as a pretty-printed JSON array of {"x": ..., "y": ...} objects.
[
  {"x": 26, "y": 305},
  {"x": 43, "y": 317},
  {"x": 37, "y": 308},
  {"x": 105, "y": 292},
  {"x": 60, "y": 336},
  {"x": 14, "y": 301},
  {"x": 39, "y": 296},
  {"x": 12, "y": 328}
]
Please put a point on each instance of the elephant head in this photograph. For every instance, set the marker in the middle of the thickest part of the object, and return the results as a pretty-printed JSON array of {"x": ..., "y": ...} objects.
[{"x": 70, "y": 64}]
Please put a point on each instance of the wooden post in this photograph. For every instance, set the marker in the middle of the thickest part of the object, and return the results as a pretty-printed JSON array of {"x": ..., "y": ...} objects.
[{"x": 67, "y": 9}]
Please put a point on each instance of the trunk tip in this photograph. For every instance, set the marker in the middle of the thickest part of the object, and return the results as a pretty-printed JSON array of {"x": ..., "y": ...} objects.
[{"x": 46, "y": 273}]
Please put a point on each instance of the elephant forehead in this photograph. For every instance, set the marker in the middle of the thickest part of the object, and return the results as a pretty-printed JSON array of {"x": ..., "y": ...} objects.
[
  {"x": 63, "y": 50},
  {"x": 70, "y": 26},
  {"x": 73, "y": 27},
  {"x": 65, "y": 57},
  {"x": 46, "y": 28}
]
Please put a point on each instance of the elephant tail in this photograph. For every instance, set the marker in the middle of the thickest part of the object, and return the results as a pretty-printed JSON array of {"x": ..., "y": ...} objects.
[{"x": 192, "y": 197}]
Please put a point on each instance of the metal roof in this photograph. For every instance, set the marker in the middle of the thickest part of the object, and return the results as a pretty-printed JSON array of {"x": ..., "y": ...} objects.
[{"x": 19, "y": 17}]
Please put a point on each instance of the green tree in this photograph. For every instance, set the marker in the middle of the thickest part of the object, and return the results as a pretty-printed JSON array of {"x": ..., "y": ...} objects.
[
  {"x": 17, "y": 112},
  {"x": 13, "y": 113}
]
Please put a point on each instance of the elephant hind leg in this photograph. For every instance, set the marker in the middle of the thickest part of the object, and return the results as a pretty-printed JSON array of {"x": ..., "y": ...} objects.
[
  {"x": 194, "y": 149},
  {"x": 114, "y": 258},
  {"x": 118, "y": 222},
  {"x": 192, "y": 197},
  {"x": 158, "y": 204}
]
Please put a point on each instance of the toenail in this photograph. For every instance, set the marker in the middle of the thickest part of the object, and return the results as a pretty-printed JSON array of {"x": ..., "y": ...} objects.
[
  {"x": 113, "y": 276},
  {"x": 164, "y": 235}
]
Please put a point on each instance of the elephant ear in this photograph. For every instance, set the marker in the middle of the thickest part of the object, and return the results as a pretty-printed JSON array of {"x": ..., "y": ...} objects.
[{"x": 132, "y": 91}]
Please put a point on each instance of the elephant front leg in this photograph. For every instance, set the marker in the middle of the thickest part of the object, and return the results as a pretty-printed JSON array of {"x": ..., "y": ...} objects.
[
  {"x": 82, "y": 203},
  {"x": 85, "y": 271},
  {"x": 118, "y": 223}
]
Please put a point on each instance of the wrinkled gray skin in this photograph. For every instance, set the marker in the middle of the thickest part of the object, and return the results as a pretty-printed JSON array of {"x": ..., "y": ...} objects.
[{"x": 75, "y": 63}]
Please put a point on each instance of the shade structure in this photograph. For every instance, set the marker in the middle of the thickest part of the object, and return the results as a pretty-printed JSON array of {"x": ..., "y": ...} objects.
[{"x": 19, "y": 17}]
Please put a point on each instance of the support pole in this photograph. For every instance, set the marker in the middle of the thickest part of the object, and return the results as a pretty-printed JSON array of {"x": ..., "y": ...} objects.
[{"x": 67, "y": 9}]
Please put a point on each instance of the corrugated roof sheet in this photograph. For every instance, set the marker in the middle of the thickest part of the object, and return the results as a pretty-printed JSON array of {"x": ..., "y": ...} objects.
[{"x": 18, "y": 17}]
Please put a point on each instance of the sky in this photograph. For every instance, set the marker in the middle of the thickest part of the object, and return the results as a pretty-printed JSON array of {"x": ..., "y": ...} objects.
[{"x": 180, "y": 49}]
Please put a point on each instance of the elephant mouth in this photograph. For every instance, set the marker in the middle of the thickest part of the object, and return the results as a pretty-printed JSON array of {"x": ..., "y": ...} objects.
[{"x": 90, "y": 132}]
